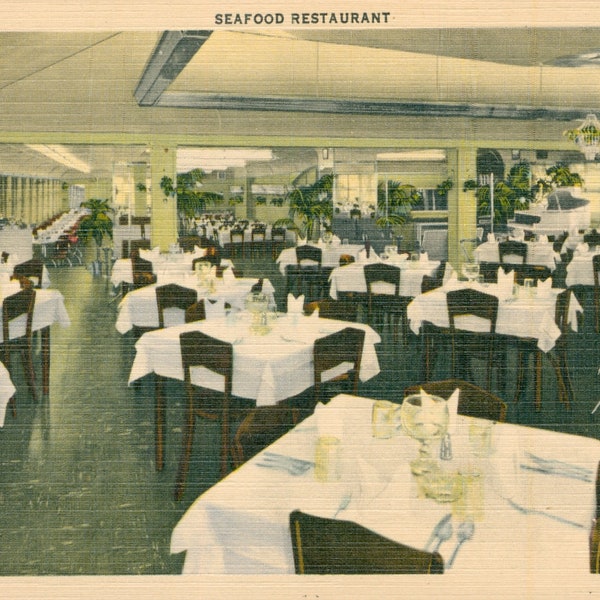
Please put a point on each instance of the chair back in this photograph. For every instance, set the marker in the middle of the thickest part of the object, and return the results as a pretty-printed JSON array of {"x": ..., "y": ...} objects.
[
  {"x": 307, "y": 252},
  {"x": 32, "y": 269},
  {"x": 344, "y": 346},
  {"x": 333, "y": 309},
  {"x": 596, "y": 269},
  {"x": 142, "y": 272},
  {"x": 512, "y": 249},
  {"x": 382, "y": 273},
  {"x": 278, "y": 234},
  {"x": 172, "y": 295},
  {"x": 133, "y": 245},
  {"x": 14, "y": 306},
  {"x": 236, "y": 235},
  {"x": 323, "y": 546},
  {"x": 259, "y": 233},
  {"x": 188, "y": 242},
  {"x": 473, "y": 401},
  {"x": 432, "y": 282},
  {"x": 592, "y": 238},
  {"x": 201, "y": 350},
  {"x": 471, "y": 302},
  {"x": 535, "y": 272},
  {"x": 561, "y": 315},
  {"x": 195, "y": 312}
]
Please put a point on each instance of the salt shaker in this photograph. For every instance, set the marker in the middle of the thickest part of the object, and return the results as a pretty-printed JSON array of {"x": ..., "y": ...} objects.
[{"x": 446, "y": 448}]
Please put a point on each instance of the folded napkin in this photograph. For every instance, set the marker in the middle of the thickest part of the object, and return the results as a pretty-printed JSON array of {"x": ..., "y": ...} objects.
[
  {"x": 506, "y": 281},
  {"x": 543, "y": 238},
  {"x": 198, "y": 252},
  {"x": 335, "y": 240},
  {"x": 228, "y": 276},
  {"x": 424, "y": 257},
  {"x": 329, "y": 420},
  {"x": 582, "y": 248},
  {"x": 295, "y": 305},
  {"x": 449, "y": 273},
  {"x": 544, "y": 288},
  {"x": 491, "y": 237},
  {"x": 214, "y": 308}
]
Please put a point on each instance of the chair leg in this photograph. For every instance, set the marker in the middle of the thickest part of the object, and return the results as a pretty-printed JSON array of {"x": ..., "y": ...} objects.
[
  {"x": 225, "y": 441},
  {"x": 520, "y": 375},
  {"x": 184, "y": 463},
  {"x": 27, "y": 357}
]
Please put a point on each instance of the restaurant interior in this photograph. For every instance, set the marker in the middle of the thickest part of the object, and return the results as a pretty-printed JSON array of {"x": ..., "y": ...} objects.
[{"x": 208, "y": 160}]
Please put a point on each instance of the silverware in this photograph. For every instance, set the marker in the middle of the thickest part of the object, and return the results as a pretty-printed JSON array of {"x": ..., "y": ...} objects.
[
  {"x": 465, "y": 532},
  {"x": 289, "y": 459},
  {"x": 559, "y": 472},
  {"x": 441, "y": 526},
  {"x": 534, "y": 511},
  {"x": 560, "y": 465},
  {"x": 294, "y": 466},
  {"x": 292, "y": 470},
  {"x": 444, "y": 533},
  {"x": 343, "y": 504}
]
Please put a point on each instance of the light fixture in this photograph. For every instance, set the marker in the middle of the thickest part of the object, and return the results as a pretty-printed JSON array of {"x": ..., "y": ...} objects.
[
  {"x": 61, "y": 155},
  {"x": 586, "y": 136}
]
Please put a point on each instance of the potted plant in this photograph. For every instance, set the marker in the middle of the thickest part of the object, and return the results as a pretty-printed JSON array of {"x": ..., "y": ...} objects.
[
  {"x": 311, "y": 204},
  {"x": 562, "y": 176},
  {"x": 586, "y": 136},
  {"x": 96, "y": 225}
]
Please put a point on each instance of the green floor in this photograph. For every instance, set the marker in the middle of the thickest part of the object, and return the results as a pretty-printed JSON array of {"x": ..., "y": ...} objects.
[{"x": 78, "y": 490}]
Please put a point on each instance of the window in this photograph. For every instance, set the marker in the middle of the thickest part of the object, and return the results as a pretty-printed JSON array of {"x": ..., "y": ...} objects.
[{"x": 431, "y": 200}]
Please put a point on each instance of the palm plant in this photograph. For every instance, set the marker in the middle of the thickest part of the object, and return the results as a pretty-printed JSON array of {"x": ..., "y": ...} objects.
[
  {"x": 394, "y": 202},
  {"x": 97, "y": 224},
  {"x": 190, "y": 197},
  {"x": 310, "y": 204}
]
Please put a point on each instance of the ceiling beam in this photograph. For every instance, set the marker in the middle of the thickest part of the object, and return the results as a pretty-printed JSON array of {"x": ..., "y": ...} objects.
[
  {"x": 368, "y": 107},
  {"x": 172, "y": 53}
]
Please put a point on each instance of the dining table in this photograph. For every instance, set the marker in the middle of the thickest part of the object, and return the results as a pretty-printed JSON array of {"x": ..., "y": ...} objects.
[
  {"x": 138, "y": 308},
  {"x": 330, "y": 254},
  {"x": 580, "y": 270},
  {"x": 525, "y": 504},
  {"x": 351, "y": 278},
  {"x": 269, "y": 364},
  {"x": 538, "y": 253}
]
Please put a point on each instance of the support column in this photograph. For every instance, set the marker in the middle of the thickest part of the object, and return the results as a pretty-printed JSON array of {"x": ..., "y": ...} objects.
[
  {"x": 462, "y": 206},
  {"x": 164, "y": 210},
  {"x": 138, "y": 171}
]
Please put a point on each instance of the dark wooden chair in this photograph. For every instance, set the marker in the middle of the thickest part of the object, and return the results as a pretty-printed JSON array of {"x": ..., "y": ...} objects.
[
  {"x": 596, "y": 269},
  {"x": 176, "y": 296},
  {"x": 323, "y": 546},
  {"x": 306, "y": 276},
  {"x": 195, "y": 312},
  {"x": 345, "y": 346},
  {"x": 201, "y": 350},
  {"x": 535, "y": 272},
  {"x": 258, "y": 240},
  {"x": 380, "y": 304},
  {"x": 333, "y": 309},
  {"x": 188, "y": 242},
  {"x": 236, "y": 242},
  {"x": 511, "y": 249},
  {"x": 473, "y": 401},
  {"x": 592, "y": 238},
  {"x": 143, "y": 273},
  {"x": 31, "y": 269},
  {"x": 432, "y": 282},
  {"x": 18, "y": 305},
  {"x": 278, "y": 241},
  {"x": 468, "y": 345},
  {"x": 260, "y": 428},
  {"x": 131, "y": 246}
]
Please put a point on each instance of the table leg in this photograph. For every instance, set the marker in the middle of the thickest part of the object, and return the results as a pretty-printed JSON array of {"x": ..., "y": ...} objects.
[
  {"x": 45, "y": 338},
  {"x": 159, "y": 403}
]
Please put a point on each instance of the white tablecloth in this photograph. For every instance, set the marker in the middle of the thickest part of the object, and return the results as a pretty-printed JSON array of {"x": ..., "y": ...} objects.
[
  {"x": 17, "y": 242},
  {"x": 351, "y": 278},
  {"x": 168, "y": 268},
  {"x": 49, "y": 308},
  {"x": 7, "y": 391},
  {"x": 538, "y": 253},
  {"x": 330, "y": 257},
  {"x": 226, "y": 531},
  {"x": 523, "y": 317},
  {"x": 580, "y": 270},
  {"x": 267, "y": 368},
  {"x": 139, "y": 309}
]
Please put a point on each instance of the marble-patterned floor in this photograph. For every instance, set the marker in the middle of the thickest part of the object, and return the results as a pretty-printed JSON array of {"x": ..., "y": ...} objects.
[{"x": 79, "y": 494}]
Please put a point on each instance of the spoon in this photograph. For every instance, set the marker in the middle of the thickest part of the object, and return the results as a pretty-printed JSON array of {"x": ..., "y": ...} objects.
[
  {"x": 444, "y": 533},
  {"x": 464, "y": 533},
  {"x": 440, "y": 527}
]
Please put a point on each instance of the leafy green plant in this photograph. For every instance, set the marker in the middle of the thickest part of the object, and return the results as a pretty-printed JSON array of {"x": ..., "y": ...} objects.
[
  {"x": 191, "y": 198},
  {"x": 394, "y": 202},
  {"x": 97, "y": 223},
  {"x": 562, "y": 176},
  {"x": 260, "y": 200},
  {"x": 513, "y": 193},
  {"x": 310, "y": 204},
  {"x": 166, "y": 185},
  {"x": 443, "y": 188}
]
